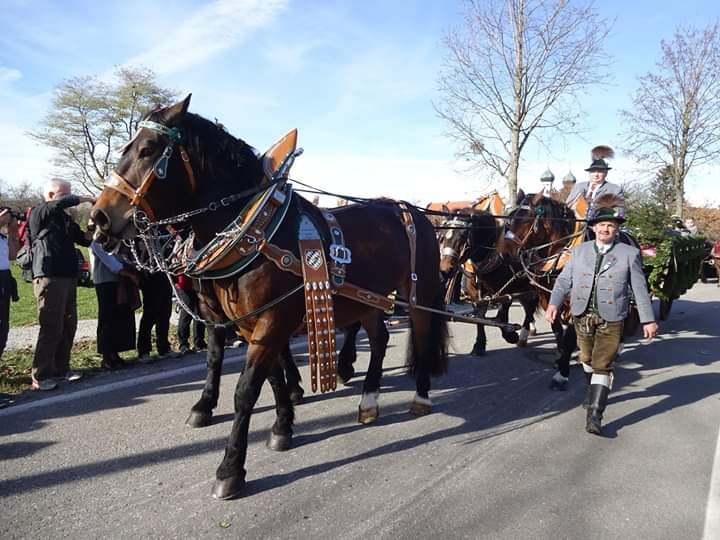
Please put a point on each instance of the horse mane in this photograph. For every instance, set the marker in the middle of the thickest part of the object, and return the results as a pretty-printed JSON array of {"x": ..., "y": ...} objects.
[{"x": 211, "y": 145}]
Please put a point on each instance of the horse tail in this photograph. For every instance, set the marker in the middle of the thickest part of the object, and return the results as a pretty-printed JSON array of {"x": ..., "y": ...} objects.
[{"x": 432, "y": 347}]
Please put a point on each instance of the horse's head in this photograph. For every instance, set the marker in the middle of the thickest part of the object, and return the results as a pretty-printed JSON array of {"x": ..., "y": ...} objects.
[
  {"x": 177, "y": 161},
  {"x": 468, "y": 236},
  {"x": 539, "y": 220}
]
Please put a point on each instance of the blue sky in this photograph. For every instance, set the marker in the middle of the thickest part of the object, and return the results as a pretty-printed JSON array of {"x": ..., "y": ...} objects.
[{"x": 357, "y": 79}]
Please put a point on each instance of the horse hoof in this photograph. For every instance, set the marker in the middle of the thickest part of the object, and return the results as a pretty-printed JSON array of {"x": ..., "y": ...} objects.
[
  {"x": 532, "y": 332},
  {"x": 522, "y": 343},
  {"x": 228, "y": 488},
  {"x": 279, "y": 443},
  {"x": 296, "y": 395},
  {"x": 478, "y": 350},
  {"x": 198, "y": 419},
  {"x": 420, "y": 409},
  {"x": 511, "y": 337},
  {"x": 368, "y": 416},
  {"x": 345, "y": 374}
]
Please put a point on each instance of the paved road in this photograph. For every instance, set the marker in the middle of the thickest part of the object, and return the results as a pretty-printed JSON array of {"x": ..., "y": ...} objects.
[{"x": 501, "y": 457}]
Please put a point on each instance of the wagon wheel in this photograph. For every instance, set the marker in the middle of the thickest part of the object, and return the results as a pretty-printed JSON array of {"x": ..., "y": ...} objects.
[{"x": 665, "y": 306}]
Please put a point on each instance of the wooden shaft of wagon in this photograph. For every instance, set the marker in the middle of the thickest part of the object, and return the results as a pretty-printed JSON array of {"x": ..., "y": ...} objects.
[{"x": 509, "y": 327}]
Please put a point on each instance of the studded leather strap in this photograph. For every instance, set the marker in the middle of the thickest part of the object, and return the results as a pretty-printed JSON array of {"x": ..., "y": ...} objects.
[{"x": 320, "y": 316}]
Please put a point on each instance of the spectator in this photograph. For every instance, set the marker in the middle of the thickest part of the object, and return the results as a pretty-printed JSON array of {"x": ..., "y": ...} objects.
[
  {"x": 9, "y": 245},
  {"x": 53, "y": 235},
  {"x": 116, "y": 314},
  {"x": 157, "y": 308},
  {"x": 188, "y": 296},
  {"x": 691, "y": 226}
]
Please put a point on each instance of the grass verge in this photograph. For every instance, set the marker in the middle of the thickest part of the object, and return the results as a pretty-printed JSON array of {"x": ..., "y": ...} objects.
[
  {"x": 16, "y": 364},
  {"x": 24, "y": 311}
]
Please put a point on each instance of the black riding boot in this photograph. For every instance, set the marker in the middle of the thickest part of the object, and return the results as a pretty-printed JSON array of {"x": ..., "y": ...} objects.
[
  {"x": 588, "y": 376},
  {"x": 596, "y": 407}
]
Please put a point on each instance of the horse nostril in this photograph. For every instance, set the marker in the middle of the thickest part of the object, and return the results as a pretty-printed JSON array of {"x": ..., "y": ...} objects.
[{"x": 101, "y": 219}]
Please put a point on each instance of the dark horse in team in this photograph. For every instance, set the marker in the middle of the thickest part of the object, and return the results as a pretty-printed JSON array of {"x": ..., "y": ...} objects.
[
  {"x": 541, "y": 229},
  {"x": 211, "y": 166},
  {"x": 472, "y": 248}
]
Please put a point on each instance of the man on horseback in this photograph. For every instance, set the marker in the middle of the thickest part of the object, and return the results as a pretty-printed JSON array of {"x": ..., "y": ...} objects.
[
  {"x": 597, "y": 184},
  {"x": 599, "y": 277}
]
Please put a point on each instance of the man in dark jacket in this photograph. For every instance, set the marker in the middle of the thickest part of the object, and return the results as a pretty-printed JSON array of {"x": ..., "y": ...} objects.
[{"x": 53, "y": 235}]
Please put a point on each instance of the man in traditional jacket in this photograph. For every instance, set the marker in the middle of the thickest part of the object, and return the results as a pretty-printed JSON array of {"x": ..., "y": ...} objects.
[
  {"x": 597, "y": 184},
  {"x": 599, "y": 277}
]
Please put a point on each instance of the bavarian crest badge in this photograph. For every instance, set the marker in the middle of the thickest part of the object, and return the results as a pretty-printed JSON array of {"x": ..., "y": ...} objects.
[{"x": 313, "y": 258}]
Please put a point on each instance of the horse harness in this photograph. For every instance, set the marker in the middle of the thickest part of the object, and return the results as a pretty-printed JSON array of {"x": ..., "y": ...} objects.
[{"x": 250, "y": 234}]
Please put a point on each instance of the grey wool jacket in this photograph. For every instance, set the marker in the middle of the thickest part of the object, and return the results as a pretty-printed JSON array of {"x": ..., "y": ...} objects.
[
  {"x": 621, "y": 272},
  {"x": 603, "y": 189}
]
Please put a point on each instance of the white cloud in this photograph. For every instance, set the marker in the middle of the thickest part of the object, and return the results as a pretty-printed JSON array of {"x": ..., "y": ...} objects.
[
  {"x": 9, "y": 75},
  {"x": 211, "y": 30},
  {"x": 415, "y": 180}
]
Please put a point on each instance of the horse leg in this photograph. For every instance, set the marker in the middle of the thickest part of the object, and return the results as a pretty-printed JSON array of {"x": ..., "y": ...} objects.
[
  {"x": 503, "y": 315},
  {"x": 528, "y": 326},
  {"x": 348, "y": 353},
  {"x": 427, "y": 354},
  {"x": 201, "y": 412},
  {"x": 230, "y": 475},
  {"x": 378, "y": 336},
  {"x": 292, "y": 375},
  {"x": 281, "y": 432},
  {"x": 560, "y": 378},
  {"x": 480, "y": 345},
  {"x": 557, "y": 330}
]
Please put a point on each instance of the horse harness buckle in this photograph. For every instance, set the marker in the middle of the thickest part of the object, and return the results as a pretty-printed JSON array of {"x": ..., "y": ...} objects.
[{"x": 339, "y": 253}]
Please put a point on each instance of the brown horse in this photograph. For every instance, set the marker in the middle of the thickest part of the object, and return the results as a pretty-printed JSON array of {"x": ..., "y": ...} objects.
[
  {"x": 471, "y": 249},
  {"x": 181, "y": 167},
  {"x": 542, "y": 232}
]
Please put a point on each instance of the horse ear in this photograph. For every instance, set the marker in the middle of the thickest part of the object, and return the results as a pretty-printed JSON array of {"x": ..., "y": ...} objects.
[
  {"x": 520, "y": 196},
  {"x": 177, "y": 110}
]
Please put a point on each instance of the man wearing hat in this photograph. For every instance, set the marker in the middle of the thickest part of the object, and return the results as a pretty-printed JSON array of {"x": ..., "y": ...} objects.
[
  {"x": 597, "y": 185},
  {"x": 599, "y": 277}
]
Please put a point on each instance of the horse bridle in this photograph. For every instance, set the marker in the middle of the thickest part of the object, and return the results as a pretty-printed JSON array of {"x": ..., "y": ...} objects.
[
  {"x": 136, "y": 196},
  {"x": 447, "y": 251},
  {"x": 539, "y": 213}
]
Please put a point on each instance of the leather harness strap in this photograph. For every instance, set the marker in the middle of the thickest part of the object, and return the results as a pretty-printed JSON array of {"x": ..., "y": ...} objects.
[
  {"x": 339, "y": 253},
  {"x": 137, "y": 196},
  {"x": 407, "y": 220},
  {"x": 319, "y": 315}
]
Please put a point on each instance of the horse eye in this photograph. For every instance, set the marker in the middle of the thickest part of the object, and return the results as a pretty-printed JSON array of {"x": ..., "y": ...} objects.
[{"x": 145, "y": 151}]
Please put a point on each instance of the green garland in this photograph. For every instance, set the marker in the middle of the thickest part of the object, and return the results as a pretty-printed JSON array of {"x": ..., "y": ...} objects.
[{"x": 675, "y": 267}]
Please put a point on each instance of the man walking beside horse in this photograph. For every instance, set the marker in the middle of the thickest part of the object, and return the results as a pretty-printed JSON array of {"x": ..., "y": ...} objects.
[{"x": 599, "y": 277}]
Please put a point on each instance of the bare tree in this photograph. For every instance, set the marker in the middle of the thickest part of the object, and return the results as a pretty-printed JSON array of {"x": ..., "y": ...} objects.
[
  {"x": 675, "y": 121},
  {"x": 90, "y": 119},
  {"x": 515, "y": 68}
]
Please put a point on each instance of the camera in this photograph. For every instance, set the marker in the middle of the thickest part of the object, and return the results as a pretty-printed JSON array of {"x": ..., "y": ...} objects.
[{"x": 17, "y": 215}]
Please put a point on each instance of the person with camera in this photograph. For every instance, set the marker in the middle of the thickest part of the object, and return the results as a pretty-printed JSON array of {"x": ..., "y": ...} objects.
[
  {"x": 9, "y": 245},
  {"x": 53, "y": 235}
]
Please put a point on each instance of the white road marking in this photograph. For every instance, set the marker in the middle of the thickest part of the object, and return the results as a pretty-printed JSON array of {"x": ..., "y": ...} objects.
[
  {"x": 229, "y": 360},
  {"x": 712, "y": 511}
]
